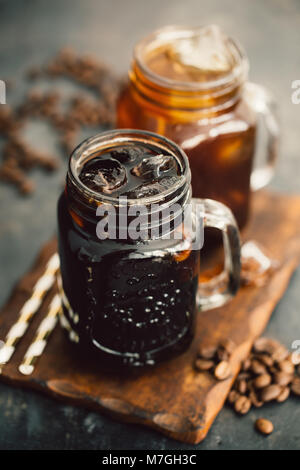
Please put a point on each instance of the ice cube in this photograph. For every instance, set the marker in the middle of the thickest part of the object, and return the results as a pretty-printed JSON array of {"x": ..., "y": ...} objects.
[
  {"x": 152, "y": 188},
  {"x": 103, "y": 175},
  {"x": 209, "y": 50},
  {"x": 126, "y": 154},
  {"x": 155, "y": 167},
  {"x": 144, "y": 190}
]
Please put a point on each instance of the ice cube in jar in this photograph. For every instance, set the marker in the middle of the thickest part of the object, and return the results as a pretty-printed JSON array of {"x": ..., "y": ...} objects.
[
  {"x": 205, "y": 55},
  {"x": 134, "y": 172}
]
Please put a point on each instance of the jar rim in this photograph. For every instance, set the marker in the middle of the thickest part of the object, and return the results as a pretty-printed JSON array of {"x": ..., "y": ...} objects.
[
  {"x": 237, "y": 74},
  {"x": 116, "y": 137}
]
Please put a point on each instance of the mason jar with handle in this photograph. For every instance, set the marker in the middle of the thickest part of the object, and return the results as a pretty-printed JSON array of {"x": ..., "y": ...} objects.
[
  {"x": 130, "y": 297},
  {"x": 190, "y": 85}
]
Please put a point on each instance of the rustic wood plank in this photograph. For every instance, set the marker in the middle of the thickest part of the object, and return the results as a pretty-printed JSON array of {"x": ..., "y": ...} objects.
[{"x": 172, "y": 397}]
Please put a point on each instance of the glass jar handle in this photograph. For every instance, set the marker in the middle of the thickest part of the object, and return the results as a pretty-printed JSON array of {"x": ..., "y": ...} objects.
[
  {"x": 222, "y": 287},
  {"x": 264, "y": 105}
]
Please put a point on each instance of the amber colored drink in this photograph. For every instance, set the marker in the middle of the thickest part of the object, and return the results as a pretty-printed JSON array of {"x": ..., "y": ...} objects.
[{"x": 187, "y": 85}]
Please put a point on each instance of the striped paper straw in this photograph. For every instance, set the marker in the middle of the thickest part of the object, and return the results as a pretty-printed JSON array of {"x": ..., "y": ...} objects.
[
  {"x": 28, "y": 310},
  {"x": 39, "y": 343},
  {"x": 63, "y": 320}
]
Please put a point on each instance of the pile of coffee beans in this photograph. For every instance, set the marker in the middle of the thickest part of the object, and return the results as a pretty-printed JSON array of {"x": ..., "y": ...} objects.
[
  {"x": 18, "y": 157},
  {"x": 270, "y": 373},
  {"x": 82, "y": 111}
]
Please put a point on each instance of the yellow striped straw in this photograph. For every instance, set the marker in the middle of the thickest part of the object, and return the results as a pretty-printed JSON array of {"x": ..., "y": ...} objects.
[
  {"x": 31, "y": 306},
  {"x": 39, "y": 343}
]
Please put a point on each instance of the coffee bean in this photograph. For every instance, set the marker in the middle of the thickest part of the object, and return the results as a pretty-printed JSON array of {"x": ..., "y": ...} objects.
[
  {"x": 222, "y": 370},
  {"x": 257, "y": 367},
  {"x": 225, "y": 349},
  {"x": 244, "y": 376},
  {"x": 265, "y": 359},
  {"x": 250, "y": 385},
  {"x": 222, "y": 354},
  {"x": 280, "y": 354},
  {"x": 295, "y": 387},
  {"x": 228, "y": 345},
  {"x": 242, "y": 405},
  {"x": 27, "y": 187},
  {"x": 262, "y": 381},
  {"x": 264, "y": 426},
  {"x": 267, "y": 345},
  {"x": 270, "y": 393},
  {"x": 233, "y": 396},
  {"x": 281, "y": 378},
  {"x": 286, "y": 366},
  {"x": 246, "y": 364},
  {"x": 263, "y": 345},
  {"x": 242, "y": 386},
  {"x": 206, "y": 352},
  {"x": 283, "y": 395},
  {"x": 203, "y": 364},
  {"x": 255, "y": 400}
]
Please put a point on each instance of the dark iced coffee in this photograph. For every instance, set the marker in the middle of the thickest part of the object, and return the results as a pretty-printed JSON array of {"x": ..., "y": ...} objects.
[
  {"x": 134, "y": 299},
  {"x": 129, "y": 297}
]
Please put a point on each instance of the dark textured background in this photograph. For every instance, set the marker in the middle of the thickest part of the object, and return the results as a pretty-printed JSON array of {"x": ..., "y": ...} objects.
[{"x": 31, "y": 32}]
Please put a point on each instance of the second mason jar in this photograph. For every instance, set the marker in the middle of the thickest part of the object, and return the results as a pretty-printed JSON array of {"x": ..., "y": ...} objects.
[{"x": 190, "y": 84}]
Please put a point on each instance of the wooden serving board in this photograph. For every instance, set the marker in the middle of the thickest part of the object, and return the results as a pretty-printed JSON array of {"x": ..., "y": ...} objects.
[{"x": 172, "y": 397}]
